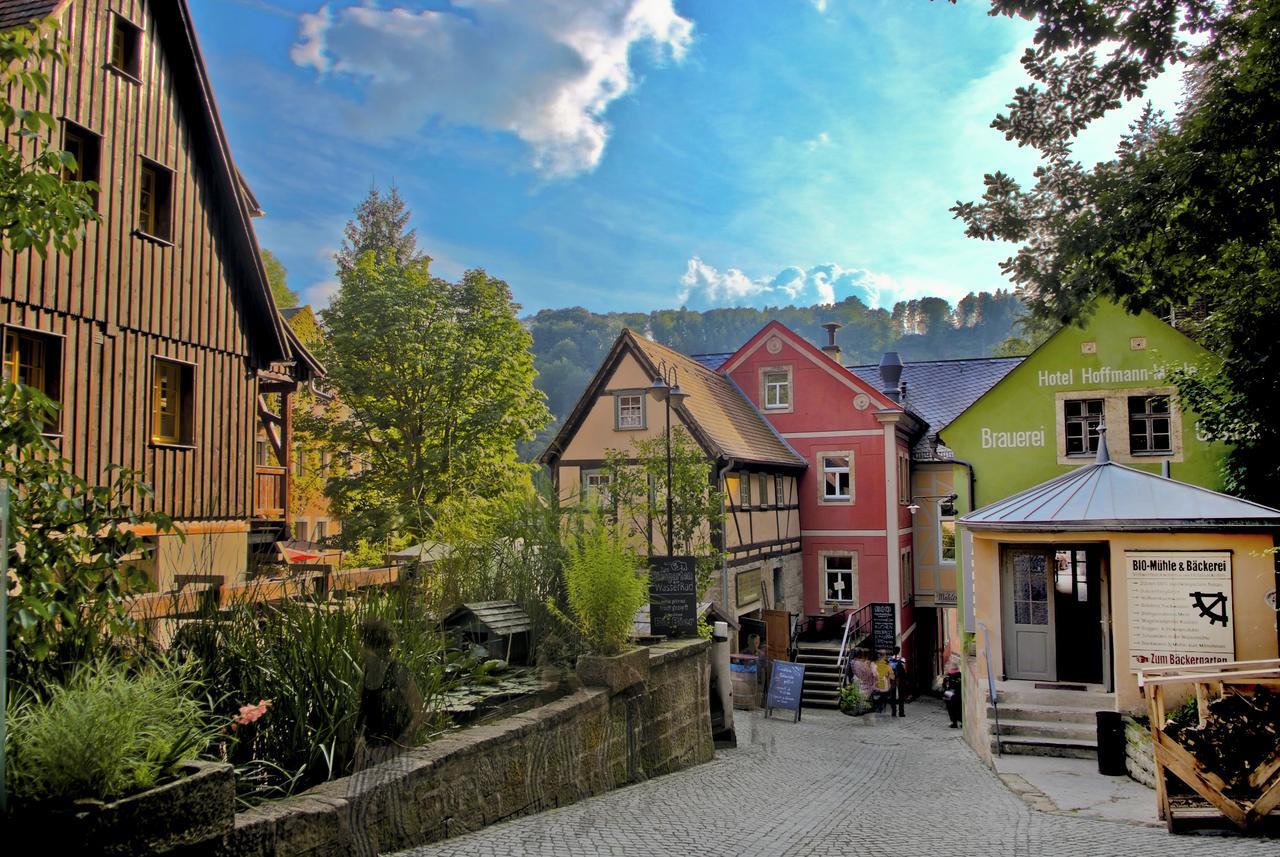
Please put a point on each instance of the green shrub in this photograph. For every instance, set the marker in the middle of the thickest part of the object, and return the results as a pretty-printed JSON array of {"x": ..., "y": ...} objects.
[
  {"x": 306, "y": 659},
  {"x": 107, "y": 733},
  {"x": 853, "y": 699},
  {"x": 68, "y": 540},
  {"x": 606, "y": 584}
]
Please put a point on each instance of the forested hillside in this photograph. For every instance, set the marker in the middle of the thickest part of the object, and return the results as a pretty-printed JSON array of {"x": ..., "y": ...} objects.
[{"x": 568, "y": 344}]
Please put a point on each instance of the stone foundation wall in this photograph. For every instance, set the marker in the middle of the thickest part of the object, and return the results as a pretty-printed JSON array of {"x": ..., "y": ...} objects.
[
  {"x": 1139, "y": 756},
  {"x": 584, "y": 744},
  {"x": 973, "y": 699}
]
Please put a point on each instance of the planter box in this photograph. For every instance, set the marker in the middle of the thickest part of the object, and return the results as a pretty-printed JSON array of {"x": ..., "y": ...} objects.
[
  {"x": 195, "y": 807},
  {"x": 617, "y": 672}
]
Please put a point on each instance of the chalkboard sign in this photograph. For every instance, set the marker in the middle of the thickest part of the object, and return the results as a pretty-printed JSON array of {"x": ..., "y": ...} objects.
[
  {"x": 673, "y": 596},
  {"x": 883, "y": 638},
  {"x": 786, "y": 687}
]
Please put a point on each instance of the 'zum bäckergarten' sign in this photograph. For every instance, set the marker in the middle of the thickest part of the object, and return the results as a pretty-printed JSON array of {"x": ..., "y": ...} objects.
[{"x": 1179, "y": 608}]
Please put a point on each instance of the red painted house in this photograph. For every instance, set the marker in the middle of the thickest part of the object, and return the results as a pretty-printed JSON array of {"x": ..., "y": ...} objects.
[{"x": 856, "y": 529}]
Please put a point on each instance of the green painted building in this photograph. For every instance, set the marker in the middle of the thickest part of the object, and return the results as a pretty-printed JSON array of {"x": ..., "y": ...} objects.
[{"x": 1041, "y": 419}]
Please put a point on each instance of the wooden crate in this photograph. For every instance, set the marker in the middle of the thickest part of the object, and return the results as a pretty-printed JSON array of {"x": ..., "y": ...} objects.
[{"x": 1249, "y": 813}]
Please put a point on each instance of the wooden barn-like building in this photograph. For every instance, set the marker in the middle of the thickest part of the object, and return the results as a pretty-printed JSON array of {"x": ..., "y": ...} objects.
[{"x": 158, "y": 335}]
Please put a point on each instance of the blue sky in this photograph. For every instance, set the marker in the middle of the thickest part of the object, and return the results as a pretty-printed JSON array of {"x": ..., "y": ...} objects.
[{"x": 632, "y": 154}]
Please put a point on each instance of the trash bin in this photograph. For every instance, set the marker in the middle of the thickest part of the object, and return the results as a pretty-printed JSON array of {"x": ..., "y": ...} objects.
[{"x": 1111, "y": 744}]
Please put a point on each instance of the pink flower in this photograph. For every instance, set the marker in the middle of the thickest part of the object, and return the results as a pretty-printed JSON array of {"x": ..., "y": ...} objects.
[{"x": 249, "y": 713}]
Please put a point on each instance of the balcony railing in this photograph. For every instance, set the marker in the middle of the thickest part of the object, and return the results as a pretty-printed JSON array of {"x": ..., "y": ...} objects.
[{"x": 269, "y": 497}]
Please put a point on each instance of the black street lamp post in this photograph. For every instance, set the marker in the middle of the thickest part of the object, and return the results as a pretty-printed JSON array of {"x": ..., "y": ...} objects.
[{"x": 666, "y": 388}]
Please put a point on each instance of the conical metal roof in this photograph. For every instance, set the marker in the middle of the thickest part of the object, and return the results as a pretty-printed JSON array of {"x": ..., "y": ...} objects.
[{"x": 1110, "y": 496}]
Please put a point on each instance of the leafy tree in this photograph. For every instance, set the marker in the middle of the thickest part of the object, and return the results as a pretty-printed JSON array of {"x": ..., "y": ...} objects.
[
  {"x": 277, "y": 277},
  {"x": 637, "y": 498},
  {"x": 72, "y": 546},
  {"x": 39, "y": 206},
  {"x": 436, "y": 388},
  {"x": 381, "y": 226},
  {"x": 1183, "y": 220}
]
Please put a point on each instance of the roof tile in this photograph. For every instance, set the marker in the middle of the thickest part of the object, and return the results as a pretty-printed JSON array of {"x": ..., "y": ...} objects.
[
  {"x": 722, "y": 411},
  {"x": 15, "y": 13}
]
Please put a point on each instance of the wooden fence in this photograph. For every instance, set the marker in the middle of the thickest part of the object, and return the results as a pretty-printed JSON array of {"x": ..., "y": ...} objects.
[{"x": 305, "y": 581}]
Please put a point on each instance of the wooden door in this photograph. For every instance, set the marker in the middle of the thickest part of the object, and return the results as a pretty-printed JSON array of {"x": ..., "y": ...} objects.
[
  {"x": 1030, "y": 648},
  {"x": 777, "y": 636}
]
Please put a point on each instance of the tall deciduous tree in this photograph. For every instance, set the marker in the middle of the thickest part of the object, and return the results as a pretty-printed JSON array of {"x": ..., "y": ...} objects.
[
  {"x": 436, "y": 385},
  {"x": 1183, "y": 221},
  {"x": 277, "y": 277}
]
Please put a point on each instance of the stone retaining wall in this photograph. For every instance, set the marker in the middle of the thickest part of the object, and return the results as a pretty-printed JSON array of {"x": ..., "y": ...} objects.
[
  {"x": 583, "y": 744},
  {"x": 1139, "y": 756}
]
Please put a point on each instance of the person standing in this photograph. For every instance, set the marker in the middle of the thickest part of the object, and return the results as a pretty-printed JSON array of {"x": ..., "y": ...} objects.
[{"x": 898, "y": 690}]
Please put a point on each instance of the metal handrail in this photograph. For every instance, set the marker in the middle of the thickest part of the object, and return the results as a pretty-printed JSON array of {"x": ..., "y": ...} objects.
[{"x": 991, "y": 686}]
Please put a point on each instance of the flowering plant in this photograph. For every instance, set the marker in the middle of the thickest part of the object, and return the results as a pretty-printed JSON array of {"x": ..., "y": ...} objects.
[{"x": 250, "y": 713}]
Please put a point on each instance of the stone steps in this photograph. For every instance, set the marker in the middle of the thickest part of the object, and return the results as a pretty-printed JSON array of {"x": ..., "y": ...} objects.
[
  {"x": 1044, "y": 713},
  {"x": 1046, "y": 729},
  {"x": 1048, "y": 722},
  {"x": 821, "y": 676},
  {"x": 1059, "y": 747}
]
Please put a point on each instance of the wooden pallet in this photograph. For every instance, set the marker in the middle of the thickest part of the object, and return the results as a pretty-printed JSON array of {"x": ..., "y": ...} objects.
[{"x": 1249, "y": 813}]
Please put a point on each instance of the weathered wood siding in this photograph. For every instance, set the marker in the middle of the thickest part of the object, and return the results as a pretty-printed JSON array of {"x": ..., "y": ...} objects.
[{"x": 121, "y": 299}]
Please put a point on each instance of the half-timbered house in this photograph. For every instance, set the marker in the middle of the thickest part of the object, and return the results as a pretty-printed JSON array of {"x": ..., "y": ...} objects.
[
  {"x": 158, "y": 335},
  {"x": 756, "y": 470}
]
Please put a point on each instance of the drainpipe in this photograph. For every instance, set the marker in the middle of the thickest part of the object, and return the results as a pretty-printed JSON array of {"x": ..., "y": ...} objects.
[
  {"x": 973, "y": 483},
  {"x": 966, "y": 607},
  {"x": 724, "y": 530}
]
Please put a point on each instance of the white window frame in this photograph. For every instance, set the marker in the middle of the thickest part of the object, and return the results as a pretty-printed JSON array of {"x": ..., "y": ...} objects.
[
  {"x": 944, "y": 519},
  {"x": 599, "y": 489},
  {"x": 823, "y": 470},
  {"x": 824, "y": 559},
  {"x": 639, "y": 418},
  {"x": 784, "y": 401}
]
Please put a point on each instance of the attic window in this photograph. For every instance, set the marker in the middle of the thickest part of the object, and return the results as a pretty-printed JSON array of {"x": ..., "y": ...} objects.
[
  {"x": 155, "y": 190},
  {"x": 628, "y": 410},
  {"x": 126, "y": 46}
]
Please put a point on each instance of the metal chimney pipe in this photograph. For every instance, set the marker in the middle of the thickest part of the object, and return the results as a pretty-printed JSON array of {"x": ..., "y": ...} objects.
[
  {"x": 831, "y": 348},
  {"x": 890, "y": 374}
]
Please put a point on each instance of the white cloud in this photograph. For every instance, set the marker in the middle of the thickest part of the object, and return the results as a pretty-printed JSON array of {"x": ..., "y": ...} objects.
[
  {"x": 545, "y": 71},
  {"x": 819, "y": 142},
  {"x": 820, "y": 5},
  {"x": 319, "y": 293},
  {"x": 705, "y": 287}
]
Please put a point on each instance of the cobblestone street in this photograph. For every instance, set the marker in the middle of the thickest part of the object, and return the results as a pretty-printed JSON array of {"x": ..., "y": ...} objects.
[{"x": 829, "y": 785}]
